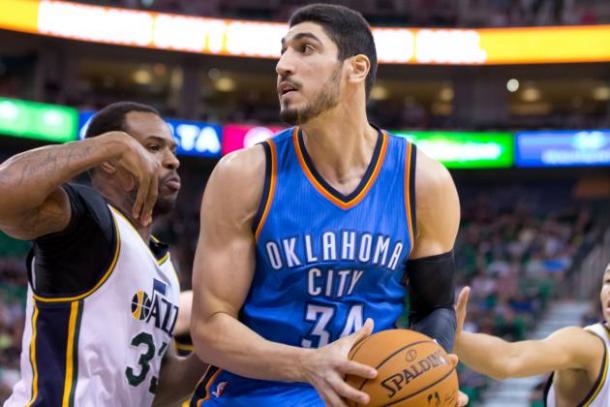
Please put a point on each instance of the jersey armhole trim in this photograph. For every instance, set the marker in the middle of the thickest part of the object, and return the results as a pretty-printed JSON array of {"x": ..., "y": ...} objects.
[
  {"x": 101, "y": 281},
  {"x": 268, "y": 188},
  {"x": 33, "y": 361},
  {"x": 601, "y": 377},
  {"x": 411, "y": 159}
]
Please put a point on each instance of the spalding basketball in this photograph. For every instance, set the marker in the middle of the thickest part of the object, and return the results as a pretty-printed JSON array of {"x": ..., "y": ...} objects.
[{"x": 412, "y": 370}]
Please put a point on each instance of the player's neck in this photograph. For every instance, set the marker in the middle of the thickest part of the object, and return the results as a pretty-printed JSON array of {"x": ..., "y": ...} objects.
[
  {"x": 339, "y": 142},
  {"x": 123, "y": 204}
]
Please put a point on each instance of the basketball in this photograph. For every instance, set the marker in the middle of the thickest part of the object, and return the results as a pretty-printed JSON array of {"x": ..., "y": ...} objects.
[{"x": 413, "y": 370}]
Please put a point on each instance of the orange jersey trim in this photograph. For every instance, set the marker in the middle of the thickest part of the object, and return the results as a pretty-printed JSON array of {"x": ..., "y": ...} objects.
[
  {"x": 408, "y": 197},
  {"x": 327, "y": 194},
  {"x": 271, "y": 193}
]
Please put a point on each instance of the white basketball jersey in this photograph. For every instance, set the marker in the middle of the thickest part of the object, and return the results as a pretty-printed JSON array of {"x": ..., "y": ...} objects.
[
  {"x": 599, "y": 396},
  {"x": 102, "y": 348}
]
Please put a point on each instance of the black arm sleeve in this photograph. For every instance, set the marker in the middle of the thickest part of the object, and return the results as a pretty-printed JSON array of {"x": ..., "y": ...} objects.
[
  {"x": 72, "y": 261},
  {"x": 431, "y": 293}
]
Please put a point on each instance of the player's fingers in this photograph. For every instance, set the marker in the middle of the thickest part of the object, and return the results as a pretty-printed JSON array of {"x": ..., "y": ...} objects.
[
  {"x": 461, "y": 307},
  {"x": 143, "y": 188},
  {"x": 462, "y": 400},
  {"x": 453, "y": 359},
  {"x": 151, "y": 199},
  {"x": 328, "y": 394},
  {"x": 349, "y": 367},
  {"x": 342, "y": 390},
  {"x": 362, "y": 333}
]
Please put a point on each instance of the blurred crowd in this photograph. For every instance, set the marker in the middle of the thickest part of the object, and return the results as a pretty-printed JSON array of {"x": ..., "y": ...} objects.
[
  {"x": 429, "y": 13},
  {"x": 13, "y": 288},
  {"x": 514, "y": 251}
]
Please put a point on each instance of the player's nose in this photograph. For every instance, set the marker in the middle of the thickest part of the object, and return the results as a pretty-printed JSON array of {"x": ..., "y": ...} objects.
[
  {"x": 284, "y": 66},
  {"x": 170, "y": 161}
]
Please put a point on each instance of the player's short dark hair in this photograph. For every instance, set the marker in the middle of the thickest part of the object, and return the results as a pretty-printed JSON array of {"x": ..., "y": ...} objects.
[
  {"x": 112, "y": 117},
  {"x": 348, "y": 30}
]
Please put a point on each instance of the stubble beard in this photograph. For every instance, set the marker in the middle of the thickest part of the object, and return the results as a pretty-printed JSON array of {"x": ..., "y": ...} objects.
[{"x": 326, "y": 99}]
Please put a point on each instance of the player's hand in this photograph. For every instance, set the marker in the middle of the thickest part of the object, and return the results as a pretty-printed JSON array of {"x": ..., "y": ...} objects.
[
  {"x": 460, "y": 311},
  {"x": 462, "y": 397},
  {"x": 144, "y": 168},
  {"x": 326, "y": 367}
]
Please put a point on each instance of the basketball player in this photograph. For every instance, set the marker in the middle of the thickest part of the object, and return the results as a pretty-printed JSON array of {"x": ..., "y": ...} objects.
[
  {"x": 103, "y": 294},
  {"x": 578, "y": 357},
  {"x": 309, "y": 237}
]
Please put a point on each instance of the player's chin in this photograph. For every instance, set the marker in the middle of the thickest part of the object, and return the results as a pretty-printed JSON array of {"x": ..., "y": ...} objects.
[
  {"x": 289, "y": 115},
  {"x": 165, "y": 203}
]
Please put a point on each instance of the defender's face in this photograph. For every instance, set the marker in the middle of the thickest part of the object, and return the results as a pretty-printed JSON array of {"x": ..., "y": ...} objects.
[
  {"x": 154, "y": 134},
  {"x": 309, "y": 73},
  {"x": 604, "y": 295}
]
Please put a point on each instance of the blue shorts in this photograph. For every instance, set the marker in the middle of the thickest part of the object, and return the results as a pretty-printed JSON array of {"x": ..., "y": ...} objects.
[{"x": 221, "y": 388}]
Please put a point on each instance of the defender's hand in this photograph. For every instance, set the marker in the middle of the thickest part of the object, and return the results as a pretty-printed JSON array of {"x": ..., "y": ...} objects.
[
  {"x": 325, "y": 369},
  {"x": 460, "y": 311}
]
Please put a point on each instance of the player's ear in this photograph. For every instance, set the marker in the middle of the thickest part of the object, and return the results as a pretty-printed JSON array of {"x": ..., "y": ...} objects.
[{"x": 359, "y": 67}]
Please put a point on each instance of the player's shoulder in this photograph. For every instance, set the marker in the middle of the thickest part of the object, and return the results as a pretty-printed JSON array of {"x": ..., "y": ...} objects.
[
  {"x": 241, "y": 164},
  {"x": 432, "y": 179},
  {"x": 576, "y": 335}
]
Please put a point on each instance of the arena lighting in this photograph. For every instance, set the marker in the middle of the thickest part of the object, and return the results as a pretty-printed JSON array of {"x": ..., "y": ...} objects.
[
  {"x": 379, "y": 93},
  {"x": 512, "y": 85},
  {"x": 601, "y": 93},
  {"x": 243, "y": 38}
]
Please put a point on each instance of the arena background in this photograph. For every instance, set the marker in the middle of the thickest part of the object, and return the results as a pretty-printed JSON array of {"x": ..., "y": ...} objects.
[{"x": 513, "y": 96}]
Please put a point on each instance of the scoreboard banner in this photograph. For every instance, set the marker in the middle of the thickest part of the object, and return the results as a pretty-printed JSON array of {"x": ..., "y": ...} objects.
[
  {"x": 40, "y": 121},
  {"x": 563, "y": 148},
  {"x": 461, "y": 150},
  {"x": 254, "y": 39},
  {"x": 193, "y": 138},
  {"x": 237, "y": 136}
]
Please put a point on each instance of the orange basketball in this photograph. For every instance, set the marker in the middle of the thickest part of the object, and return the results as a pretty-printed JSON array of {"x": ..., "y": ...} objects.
[{"x": 413, "y": 370}]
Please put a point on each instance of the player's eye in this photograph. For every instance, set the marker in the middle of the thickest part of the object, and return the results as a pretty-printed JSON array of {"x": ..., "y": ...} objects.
[
  {"x": 154, "y": 147},
  {"x": 306, "y": 48}
]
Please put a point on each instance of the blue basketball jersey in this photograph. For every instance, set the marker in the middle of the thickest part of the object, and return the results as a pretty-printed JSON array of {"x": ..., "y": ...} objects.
[{"x": 325, "y": 262}]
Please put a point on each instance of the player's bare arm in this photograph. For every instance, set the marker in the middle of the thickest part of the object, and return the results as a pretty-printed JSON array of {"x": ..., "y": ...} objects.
[
  {"x": 567, "y": 348},
  {"x": 33, "y": 203},
  {"x": 431, "y": 267},
  {"x": 223, "y": 272},
  {"x": 183, "y": 323}
]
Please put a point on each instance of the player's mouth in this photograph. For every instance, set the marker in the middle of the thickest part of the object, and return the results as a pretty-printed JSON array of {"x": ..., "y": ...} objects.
[
  {"x": 172, "y": 183},
  {"x": 285, "y": 88}
]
